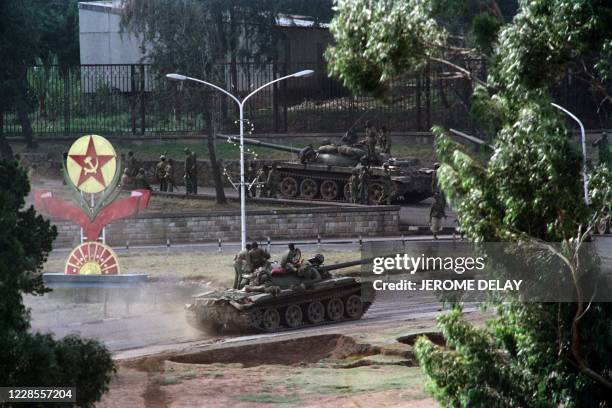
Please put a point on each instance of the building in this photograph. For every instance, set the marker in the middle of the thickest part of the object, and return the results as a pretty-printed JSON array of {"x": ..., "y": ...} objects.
[{"x": 105, "y": 47}]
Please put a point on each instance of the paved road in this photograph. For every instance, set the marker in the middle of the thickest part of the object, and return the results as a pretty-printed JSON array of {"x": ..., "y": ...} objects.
[{"x": 149, "y": 330}]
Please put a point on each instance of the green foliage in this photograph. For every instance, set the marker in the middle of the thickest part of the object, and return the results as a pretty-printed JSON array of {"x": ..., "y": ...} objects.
[
  {"x": 484, "y": 31},
  {"x": 36, "y": 359},
  {"x": 529, "y": 189}
]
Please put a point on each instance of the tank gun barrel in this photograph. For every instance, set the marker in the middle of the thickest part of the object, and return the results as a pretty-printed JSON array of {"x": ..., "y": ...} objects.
[
  {"x": 254, "y": 142},
  {"x": 343, "y": 265}
]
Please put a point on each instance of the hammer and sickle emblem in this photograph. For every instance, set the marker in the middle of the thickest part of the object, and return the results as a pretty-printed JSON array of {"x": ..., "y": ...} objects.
[{"x": 90, "y": 167}]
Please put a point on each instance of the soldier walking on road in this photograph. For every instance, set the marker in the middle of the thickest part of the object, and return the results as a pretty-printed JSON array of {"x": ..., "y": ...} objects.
[
  {"x": 160, "y": 173},
  {"x": 191, "y": 172},
  {"x": 241, "y": 265},
  {"x": 436, "y": 213},
  {"x": 272, "y": 181},
  {"x": 387, "y": 186}
]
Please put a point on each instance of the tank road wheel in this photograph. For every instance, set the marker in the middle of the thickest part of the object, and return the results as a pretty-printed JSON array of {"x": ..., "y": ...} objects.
[
  {"x": 354, "y": 307},
  {"x": 335, "y": 309},
  {"x": 329, "y": 190},
  {"x": 289, "y": 187},
  {"x": 315, "y": 312},
  {"x": 347, "y": 193},
  {"x": 256, "y": 317},
  {"x": 308, "y": 189},
  {"x": 293, "y": 316},
  {"x": 270, "y": 319},
  {"x": 375, "y": 190}
]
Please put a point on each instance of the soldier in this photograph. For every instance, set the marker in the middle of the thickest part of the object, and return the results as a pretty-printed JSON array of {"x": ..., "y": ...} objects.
[
  {"x": 384, "y": 140},
  {"x": 353, "y": 183},
  {"x": 272, "y": 181},
  {"x": 604, "y": 151},
  {"x": 191, "y": 172},
  {"x": 436, "y": 213},
  {"x": 132, "y": 164},
  {"x": 140, "y": 180},
  {"x": 262, "y": 181},
  {"x": 434, "y": 178},
  {"x": 371, "y": 141},
  {"x": 364, "y": 182},
  {"x": 126, "y": 180},
  {"x": 251, "y": 176},
  {"x": 160, "y": 173},
  {"x": 387, "y": 186},
  {"x": 257, "y": 257},
  {"x": 169, "y": 176},
  {"x": 309, "y": 271},
  {"x": 241, "y": 265},
  {"x": 290, "y": 260},
  {"x": 349, "y": 138}
]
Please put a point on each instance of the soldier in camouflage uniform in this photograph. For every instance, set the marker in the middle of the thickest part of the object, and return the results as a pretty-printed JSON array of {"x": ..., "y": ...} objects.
[
  {"x": 169, "y": 176},
  {"x": 191, "y": 172},
  {"x": 262, "y": 181},
  {"x": 436, "y": 213},
  {"x": 364, "y": 182},
  {"x": 140, "y": 181},
  {"x": 309, "y": 271},
  {"x": 241, "y": 265},
  {"x": 384, "y": 140},
  {"x": 387, "y": 186},
  {"x": 353, "y": 183},
  {"x": 160, "y": 173},
  {"x": 371, "y": 141},
  {"x": 272, "y": 181},
  {"x": 290, "y": 260},
  {"x": 258, "y": 257}
]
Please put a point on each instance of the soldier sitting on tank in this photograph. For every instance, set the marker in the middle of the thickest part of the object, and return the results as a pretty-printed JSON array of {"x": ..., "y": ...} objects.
[
  {"x": 327, "y": 147},
  {"x": 309, "y": 271},
  {"x": 261, "y": 281},
  {"x": 349, "y": 138},
  {"x": 241, "y": 266},
  {"x": 290, "y": 261}
]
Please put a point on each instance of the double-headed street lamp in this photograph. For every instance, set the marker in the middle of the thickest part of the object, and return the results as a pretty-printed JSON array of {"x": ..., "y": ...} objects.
[{"x": 241, "y": 103}]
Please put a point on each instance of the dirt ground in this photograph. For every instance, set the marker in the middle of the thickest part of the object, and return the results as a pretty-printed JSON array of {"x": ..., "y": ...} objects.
[{"x": 362, "y": 369}]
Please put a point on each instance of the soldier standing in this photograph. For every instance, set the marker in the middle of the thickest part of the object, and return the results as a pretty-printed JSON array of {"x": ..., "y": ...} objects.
[
  {"x": 132, "y": 164},
  {"x": 364, "y": 182},
  {"x": 126, "y": 180},
  {"x": 604, "y": 151},
  {"x": 262, "y": 181},
  {"x": 160, "y": 173},
  {"x": 272, "y": 181},
  {"x": 140, "y": 181},
  {"x": 384, "y": 140},
  {"x": 241, "y": 265},
  {"x": 169, "y": 176},
  {"x": 191, "y": 172},
  {"x": 436, "y": 213},
  {"x": 387, "y": 186},
  {"x": 250, "y": 176},
  {"x": 257, "y": 257},
  {"x": 371, "y": 141},
  {"x": 353, "y": 183},
  {"x": 290, "y": 260}
]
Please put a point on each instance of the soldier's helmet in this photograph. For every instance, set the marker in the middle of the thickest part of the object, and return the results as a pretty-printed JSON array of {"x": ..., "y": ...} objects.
[
  {"x": 436, "y": 165},
  {"x": 141, "y": 171},
  {"x": 162, "y": 157},
  {"x": 318, "y": 259},
  {"x": 126, "y": 171}
]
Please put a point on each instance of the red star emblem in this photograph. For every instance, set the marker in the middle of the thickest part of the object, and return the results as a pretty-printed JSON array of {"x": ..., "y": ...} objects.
[{"x": 91, "y": 164}]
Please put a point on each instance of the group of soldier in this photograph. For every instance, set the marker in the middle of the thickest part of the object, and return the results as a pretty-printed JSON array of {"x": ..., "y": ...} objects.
[
  {"x": 164, "y": 173},
  {"x": 253, "y": 270},
  {"x": 133, "y": 176},
  {"x": 360, "y": 184}
]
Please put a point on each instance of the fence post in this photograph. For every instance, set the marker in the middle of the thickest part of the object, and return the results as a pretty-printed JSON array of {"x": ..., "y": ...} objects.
[
  {"x": 142, "y": 99},
  {"x": 428, "y": 96},
  {"x": 419, "y": 106},
  {"x": 275, "y": 111},
  {"x": 133, "y": 97}
]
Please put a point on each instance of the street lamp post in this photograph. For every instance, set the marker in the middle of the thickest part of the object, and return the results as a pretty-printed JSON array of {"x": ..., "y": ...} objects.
[
  {"x": 584, "y": 152},
  {"x": 241, "y": 104}
]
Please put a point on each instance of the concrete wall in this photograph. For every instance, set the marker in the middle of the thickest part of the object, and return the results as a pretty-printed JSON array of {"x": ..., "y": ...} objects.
[{"x": 298, "y": 223}]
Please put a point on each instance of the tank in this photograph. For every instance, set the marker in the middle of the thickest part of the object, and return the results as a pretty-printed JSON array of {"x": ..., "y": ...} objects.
[
  {"x": 333, "y": 299},
  {"x": 323, "y": 173}
]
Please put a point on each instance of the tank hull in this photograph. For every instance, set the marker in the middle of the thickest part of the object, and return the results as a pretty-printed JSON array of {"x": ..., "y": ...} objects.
[{"x": 330, "y": 301}]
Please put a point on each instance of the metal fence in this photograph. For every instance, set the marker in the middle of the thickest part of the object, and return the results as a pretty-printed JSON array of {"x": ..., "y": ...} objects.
[{"x": 134, "y": 99}]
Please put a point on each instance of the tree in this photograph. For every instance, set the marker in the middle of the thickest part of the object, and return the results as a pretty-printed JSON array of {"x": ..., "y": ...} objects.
[
  {"x": 30, "y": 29},
  {"x": 37, "y": 359},
  {"x": 527, "y": 190}
]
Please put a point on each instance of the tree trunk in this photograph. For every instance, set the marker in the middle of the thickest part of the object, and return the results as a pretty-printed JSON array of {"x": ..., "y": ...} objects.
[
  {"x": 24, "y": 120},
  {"x": 214, "y": 164}
]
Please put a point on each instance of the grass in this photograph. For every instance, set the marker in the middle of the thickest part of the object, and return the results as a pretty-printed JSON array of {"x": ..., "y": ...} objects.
[{"x": 270, "y": 398}]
